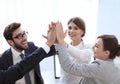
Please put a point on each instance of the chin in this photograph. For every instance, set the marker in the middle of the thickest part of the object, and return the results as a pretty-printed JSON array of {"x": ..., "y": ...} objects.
[
  {"x": 25, "y": 47},
  {"x": 72, "y": 39}
]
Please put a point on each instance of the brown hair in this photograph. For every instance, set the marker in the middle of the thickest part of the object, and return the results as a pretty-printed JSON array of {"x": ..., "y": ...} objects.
[
  {"x": 10, "y": 29},
  {"x": 110, "y": 43},
  {"x": 79, "y": 22}
]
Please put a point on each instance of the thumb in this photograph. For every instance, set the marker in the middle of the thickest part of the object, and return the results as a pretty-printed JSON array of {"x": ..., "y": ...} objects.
[{"x": 45, "y": 36}]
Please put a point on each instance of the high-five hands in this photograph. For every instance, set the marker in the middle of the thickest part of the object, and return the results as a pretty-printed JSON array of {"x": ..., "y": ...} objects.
[
  {"x": 51, "y": 36},
  {"x": 56, "y": 33},
  {"x": 60, "y": 33}
]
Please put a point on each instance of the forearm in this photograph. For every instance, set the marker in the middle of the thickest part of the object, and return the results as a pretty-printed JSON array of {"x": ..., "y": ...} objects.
[{"x": 83, "y": 55}]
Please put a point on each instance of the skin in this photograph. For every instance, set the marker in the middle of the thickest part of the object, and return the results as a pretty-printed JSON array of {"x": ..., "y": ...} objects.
[
  {"x": 19, "y": 44},
  {"x": 99, "y": 51},
  {"x": 75, "y": 33}
]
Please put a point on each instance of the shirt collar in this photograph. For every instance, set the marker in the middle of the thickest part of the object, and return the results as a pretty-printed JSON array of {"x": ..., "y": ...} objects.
[{"x": 16, "y": 53}]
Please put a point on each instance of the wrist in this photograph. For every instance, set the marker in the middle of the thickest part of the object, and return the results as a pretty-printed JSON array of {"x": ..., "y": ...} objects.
[
  {"x": 49, "y": 44},
  {"x": 61, "y": 41}
]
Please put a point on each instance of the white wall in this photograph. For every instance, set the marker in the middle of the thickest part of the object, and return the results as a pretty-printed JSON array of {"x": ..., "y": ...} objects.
[{"x": 109, "y": 17}]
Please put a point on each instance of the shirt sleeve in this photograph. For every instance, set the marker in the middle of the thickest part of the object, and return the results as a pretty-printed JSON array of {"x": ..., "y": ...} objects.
[
  {"x": 83, "y": 55},
  {"x": 46, "y": 48}
]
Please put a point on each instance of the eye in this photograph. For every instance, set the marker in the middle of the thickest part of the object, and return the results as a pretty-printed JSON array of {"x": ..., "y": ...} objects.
[
  {"x": 96, "y": 46},
  {"x": 20, "y": 36},
  {"x": 76, "y": 28},
  {"x": 69, "y": 27}
]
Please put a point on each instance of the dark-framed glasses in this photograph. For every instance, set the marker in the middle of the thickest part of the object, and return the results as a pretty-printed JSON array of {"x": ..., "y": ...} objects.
[{"x": 21, "y": 35}]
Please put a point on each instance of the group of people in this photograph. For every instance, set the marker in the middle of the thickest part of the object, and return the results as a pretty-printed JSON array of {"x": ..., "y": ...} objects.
[{"x": 74, "y": 57}]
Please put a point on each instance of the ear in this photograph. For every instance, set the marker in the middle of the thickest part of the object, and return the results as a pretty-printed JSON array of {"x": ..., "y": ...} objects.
[
  {"x": 10, "y": 42},
  {"x": 107, "y": 53},
  {"x": 82, "y": 32}
]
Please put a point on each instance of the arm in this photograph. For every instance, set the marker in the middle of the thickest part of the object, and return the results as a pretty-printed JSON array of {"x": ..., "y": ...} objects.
[
  {"x": 17, "y": 71},
  {"x": 33, "y": 47},
  {"x": 83, "y": 55},
  {"x": 85, "y": 70}
]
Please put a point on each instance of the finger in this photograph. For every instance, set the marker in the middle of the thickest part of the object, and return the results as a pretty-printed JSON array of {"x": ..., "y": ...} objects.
[
  {"x": 45, "y": 36},
  {"x": 65, "y": 33},
  {"x": 53, "y": 23},
  {"x": 50, "y": 26}
]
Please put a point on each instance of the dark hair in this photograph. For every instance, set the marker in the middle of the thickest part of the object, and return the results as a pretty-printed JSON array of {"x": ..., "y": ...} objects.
[
  {"x": 79, "y": 22},
  {"x": 10, "y": 29},
  {"x": 110, "y": 43}
]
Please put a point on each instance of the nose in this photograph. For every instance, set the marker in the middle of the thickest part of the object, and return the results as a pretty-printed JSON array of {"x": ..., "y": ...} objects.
[
  {"x": 71, "y": 30},
  {"x": 24, "y": 37}
]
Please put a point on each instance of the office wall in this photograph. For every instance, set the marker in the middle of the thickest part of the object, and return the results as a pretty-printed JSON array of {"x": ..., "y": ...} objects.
[{"x": 108, "y": 21}]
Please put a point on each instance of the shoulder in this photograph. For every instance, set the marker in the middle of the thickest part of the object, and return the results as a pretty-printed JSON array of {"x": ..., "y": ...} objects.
[
  {"x": 6, "y": 52},
  {"x": 5, "y": 59},
  {"x": 31, "y": 45},
  {"x": 96, "y": 62},
  {"x": 117, "y": 62},
  {"x": 31, "y": 48},
  {"x": 104, "y": 63},
  {"x": 87, "y": 45}
]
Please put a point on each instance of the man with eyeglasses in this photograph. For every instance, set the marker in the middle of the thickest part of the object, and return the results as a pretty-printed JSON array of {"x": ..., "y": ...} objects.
[
  {"x": 17, "y": 39},
  {"x": 17, "y": 71}
]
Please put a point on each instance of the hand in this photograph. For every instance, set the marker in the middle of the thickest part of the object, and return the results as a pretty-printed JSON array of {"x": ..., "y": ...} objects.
[
  {"x": 51, "y": 35},
  {"x": 53, "y": 25},
  {"x": 60, "y": 33},
  {"x": 50, "y": 26}
]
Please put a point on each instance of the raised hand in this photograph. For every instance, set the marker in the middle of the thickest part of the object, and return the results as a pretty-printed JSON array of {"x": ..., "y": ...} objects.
[
  {"x": 60, "y": 33},
  {"x": 50, "y": 26},
  {"x": 51, "y": 36}
]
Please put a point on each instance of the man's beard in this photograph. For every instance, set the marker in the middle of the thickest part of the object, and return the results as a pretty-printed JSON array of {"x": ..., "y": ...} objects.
[{"x": 18, "y": 47}]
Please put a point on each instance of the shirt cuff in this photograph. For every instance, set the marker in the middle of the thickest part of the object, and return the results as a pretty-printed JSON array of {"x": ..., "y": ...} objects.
[{"x": 46, "y": 48}]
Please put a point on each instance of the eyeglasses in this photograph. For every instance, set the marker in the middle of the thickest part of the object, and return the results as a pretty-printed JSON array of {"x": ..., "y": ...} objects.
[{"x": 20, "y": 36}]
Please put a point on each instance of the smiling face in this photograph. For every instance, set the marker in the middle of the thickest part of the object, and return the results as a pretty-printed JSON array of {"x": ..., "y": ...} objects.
[
  {"x": 19, "y": 43},
  {"x": 99, "y": 51},
  {"x": 74, "y": 32}
]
